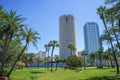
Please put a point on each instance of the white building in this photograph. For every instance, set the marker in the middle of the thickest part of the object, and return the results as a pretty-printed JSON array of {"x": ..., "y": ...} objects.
[
  {"x": 42, "y": 54},
  {"x": 79, "y": 53},
  {"x": 67, "y": 35}
]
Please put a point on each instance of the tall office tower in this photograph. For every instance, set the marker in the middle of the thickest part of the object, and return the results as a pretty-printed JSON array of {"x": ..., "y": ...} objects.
[
  {"x": 91, "y": 37},
  {"x": 67, "y": 35}
]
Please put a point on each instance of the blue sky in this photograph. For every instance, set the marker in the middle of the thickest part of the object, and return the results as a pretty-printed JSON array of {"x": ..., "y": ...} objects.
[{"x": 43, "y": 17}]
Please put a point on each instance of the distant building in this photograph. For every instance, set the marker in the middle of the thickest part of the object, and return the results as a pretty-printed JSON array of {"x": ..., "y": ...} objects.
[
  {"x": 67, "y": 35},
  {"x": 79, "y": 53},
  {"x": 42, "y": 54},
  {"x": 91, "y": 37}
]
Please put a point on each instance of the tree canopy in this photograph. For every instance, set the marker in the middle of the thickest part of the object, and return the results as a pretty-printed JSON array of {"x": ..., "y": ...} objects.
[{"x": 14, "y": 39}]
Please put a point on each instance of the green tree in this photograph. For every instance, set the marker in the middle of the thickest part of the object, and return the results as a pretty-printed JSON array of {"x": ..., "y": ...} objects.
[
  {"x": 24, "y": 58},
  {"x": 28, "y": 58},
  {"x": 84, "y": 54},
  {"x": 73, "y": 62},
  {"x": 72, "y": 49},
  {"x": 38, "y": 59},
  {"x": 102, "y": 13},
  {"x": 47, "y": 48},
  {"x": 111, "y": 19},
  {"x": 12, "y": 30},
  {"x": 100, "y": 51},
  {"x": 111, "y": 57},
  {"x": 106, "y": 58},
  {"x": 30, "y": 36},
  {"x": 10, "y": 24},
  {"x": 57, "y": 59},
  {"x": 92, "y": 57},
  {"x": 53, "y": 44}
]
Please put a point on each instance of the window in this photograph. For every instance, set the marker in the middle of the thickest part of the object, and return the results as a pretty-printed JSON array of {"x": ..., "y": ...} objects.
[{"x": 66, "y": 18}]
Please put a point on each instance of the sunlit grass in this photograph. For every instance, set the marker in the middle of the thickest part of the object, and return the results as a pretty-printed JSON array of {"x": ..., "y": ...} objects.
[{"x": 91, "y": 73}]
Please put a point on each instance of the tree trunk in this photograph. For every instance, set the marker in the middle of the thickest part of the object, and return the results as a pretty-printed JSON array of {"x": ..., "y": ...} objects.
[
  {"x": 38, "y": 64},
  {"x": 48, "y": 60},
  {"x": 6, "y": 42},
  {"x": 26, "y": 65},
  {"x": 52, "y": 58},
  {"x": 4, "y": 78},
  {"x": 4, "y": 56},
  {"x": 84, "y": 62},
  {"x": 45, "y": 62},
  {"x": 119, "y": 25},
  {"x": 18, "y": 57},
  {"x": 116, "y": 37},
  {"x": 56, "y": 65},
  {"x": 114, "y": 55},
  {"x": 3, "y": 61},
  {"x": 108, "y": 63},
  {"x": 100, "y": 63}
]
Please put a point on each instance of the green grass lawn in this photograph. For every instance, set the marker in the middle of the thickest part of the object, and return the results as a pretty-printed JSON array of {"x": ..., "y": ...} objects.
[{"x": 61, "y": 74}]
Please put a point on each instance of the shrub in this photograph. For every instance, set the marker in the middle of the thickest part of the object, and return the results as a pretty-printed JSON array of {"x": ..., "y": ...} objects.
[
  {"x": 73, "y": 62},
  {"x": 5, "y": 70},
  {"x": 20, "y": 65}
]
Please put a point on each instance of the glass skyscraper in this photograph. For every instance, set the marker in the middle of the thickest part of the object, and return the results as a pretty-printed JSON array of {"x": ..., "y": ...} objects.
[{"x": 91, "y": 37}]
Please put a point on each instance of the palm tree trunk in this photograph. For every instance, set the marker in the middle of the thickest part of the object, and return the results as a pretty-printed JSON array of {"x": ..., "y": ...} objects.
[
  {"x": 4, "y": 56},
  {"x": 45, "y": 61},
  {"x": 70, "y": 52},
  {"x": 119, "y": 24},
  {"x": 52, "y": 58},
  {"x": 18, "y": 57},
  {"x": 26, "y": 65},
  {"x": 3, "y": 61},
  {"x": 48, "y": 60},
  {"x": 116, "y": 37},
  {"x": 38, "y": 64},
  {"x": 114, "y": 55},
  {"x": 84, "y": 62},
  {"x": 100, "y": 63},
  {"x": 108, "y": 64},
  {"x": 56, "y": 65}
]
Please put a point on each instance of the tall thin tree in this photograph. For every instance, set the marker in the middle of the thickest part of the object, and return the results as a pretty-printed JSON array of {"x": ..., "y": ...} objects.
[
  {"x": 84, "y": 54},
  {"x": 53, "y": 44},
  {"x": 72, "y": 49},
  {"x": 101, "y": 11}
]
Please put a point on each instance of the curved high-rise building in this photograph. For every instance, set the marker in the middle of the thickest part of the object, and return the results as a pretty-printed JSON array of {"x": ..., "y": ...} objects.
[
  {"x": 67, "y": 35},
  {"x": 91, "y": 37}
]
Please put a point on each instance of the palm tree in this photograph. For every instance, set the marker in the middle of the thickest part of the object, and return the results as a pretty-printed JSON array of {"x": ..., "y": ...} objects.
[
  {"x": 116, "y": 9},
  {"x": 110, "y": 16},
  {"x": 47, "y": 48},
  {"x": 100, "y": 51},
  {"x": 84, "y": 54},
  {"x": 72, "y": 49},
  {"x": 92, "y": 56},
  {"x": 30, "y": 36},
  {"x": 111, "y": 57},
  {"x": 102, "y": 11},
  {"x": 53, "y": 44},
  {"x": 12, "y": 30},
  {"x": 57, "y": 60},
  {"x": 11, "y": 26},
  {"x": 106, "y": 57}
]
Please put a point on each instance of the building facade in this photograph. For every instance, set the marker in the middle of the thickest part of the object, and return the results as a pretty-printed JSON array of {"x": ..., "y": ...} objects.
[
  {"x": 67, "y": 35},
  {"x": 91, "y": 37},
  {"x": 42, "y": 54},
  {"x": 79, "y": 53}
]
